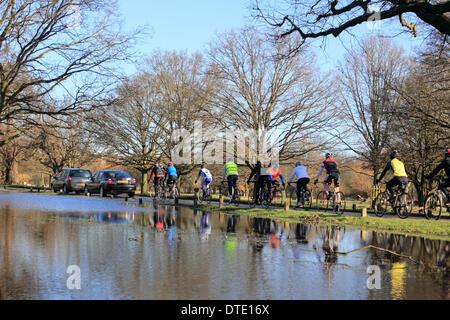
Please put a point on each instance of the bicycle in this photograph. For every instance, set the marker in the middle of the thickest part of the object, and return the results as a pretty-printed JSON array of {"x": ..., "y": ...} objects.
[
  {"x": 305, "y": 198},
  {"x": 173, "y": 193},
  {"x": 205, "y": 196},
  {"x": 401, "y": 202},
  {"x": 435, "y": 202},
  {"x": 223, "y": 190},
  {"x": 274, "y": 197},
  {"x": 329, "y": 199},
  {"x": 160, "y": 192},
  {"x": 252, "y": 201}
]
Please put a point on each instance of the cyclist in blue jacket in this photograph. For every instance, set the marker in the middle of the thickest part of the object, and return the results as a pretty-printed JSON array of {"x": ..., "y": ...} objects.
[{"x": 171, "y": 176}]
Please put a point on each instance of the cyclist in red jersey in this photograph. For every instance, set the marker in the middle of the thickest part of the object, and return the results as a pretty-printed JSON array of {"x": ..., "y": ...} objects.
[{"x": 332, "y": 170}]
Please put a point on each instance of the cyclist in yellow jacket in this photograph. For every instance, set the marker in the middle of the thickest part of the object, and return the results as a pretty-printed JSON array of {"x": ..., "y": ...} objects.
[
  {"x": 400, "y": 176},
  {"x": 230, "y": 171}
]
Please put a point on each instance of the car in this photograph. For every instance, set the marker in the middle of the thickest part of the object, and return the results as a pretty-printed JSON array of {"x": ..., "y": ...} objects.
[
  {"x": 71, "y": 180},
  {"x": 111, "y": 182}
]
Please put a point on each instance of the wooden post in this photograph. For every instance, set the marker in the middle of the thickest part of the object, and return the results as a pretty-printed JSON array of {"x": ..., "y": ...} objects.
[
  {"x": 354, "y": 207},
  {"x": 286, "y": 203},
  {"x": 364, "y": 212},
  {"x": 126, "y": 199},
  {"x": 221, "y": 201},
  {"x": 140, "y": 200}
]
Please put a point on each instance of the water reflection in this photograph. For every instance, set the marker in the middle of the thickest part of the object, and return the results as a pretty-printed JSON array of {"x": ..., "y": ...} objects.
[{"x": 178, "y": 253}]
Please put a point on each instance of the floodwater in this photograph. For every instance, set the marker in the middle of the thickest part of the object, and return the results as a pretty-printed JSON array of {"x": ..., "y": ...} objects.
[{"x": 131, "y": 252}]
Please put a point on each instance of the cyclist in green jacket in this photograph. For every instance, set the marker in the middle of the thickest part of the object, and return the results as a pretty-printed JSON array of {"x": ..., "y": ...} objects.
[{"x": 230, "y": 171}]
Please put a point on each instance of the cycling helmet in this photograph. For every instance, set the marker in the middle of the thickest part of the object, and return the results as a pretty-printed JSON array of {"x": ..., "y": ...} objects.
[
  {"x": 447, "y": 152},
  {"x": 393, "y": 154},
  {"x": 328, "y": 155},
  {"x": 298, "y": 164},
  {"x": 170, "y": 164}
]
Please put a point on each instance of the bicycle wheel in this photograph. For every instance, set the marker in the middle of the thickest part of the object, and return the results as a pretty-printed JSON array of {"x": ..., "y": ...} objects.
[
  {"x": 321, "y": 200},
  {"x": 251, "y": 198},
  {"x": 338, "y": 206},
  {"x": 381, "y": 204},
  {"x": 266, "y": 199},
  {"x": 403, "y": 205},
  {"x": 433, "y": 206},
  {"x": 293, "y": 198},
  {"x": 277, "y": 197},
  {"x": 307, "y": 201}
]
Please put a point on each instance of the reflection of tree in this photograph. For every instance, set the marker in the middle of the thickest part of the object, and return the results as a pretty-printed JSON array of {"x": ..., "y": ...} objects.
[
  {"x": 300, "y": 233},
  {"x": 433, "y": 253}
]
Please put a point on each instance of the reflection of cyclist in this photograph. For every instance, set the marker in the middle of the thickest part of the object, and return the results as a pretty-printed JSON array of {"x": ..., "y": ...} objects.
[
  {"x": 230, "y": 171},
  {"x": 205, "y": 226},
  {"x": 301, "y": 172},
  {"x": 158, "y": 172},
  {"x": 400, "y": 176},
  {"x": 332, "y": 170},
  {"x": 444, "y": 165},
  {"x": 171, "y": 176},
  {"x": 206, "y": 178}
]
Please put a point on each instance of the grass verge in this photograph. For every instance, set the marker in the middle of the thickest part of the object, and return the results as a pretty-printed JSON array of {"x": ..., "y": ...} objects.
[{"x": 429, "y": 229}]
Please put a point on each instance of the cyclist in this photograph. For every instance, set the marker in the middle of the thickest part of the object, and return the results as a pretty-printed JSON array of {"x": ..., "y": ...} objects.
[
  {"x": 206, "y": 178},
  {"x": 171, "y": 176},
  {"x": 301, "y": 172},
  {"x": 332, "y": 170},
  {"x": 400, "y": 176},
  {"x": 158, "y": 172},
  {"x": 259, "y": 180},
  {"x": 444, "y": 165},
  {"x": 274, "y": 173},
  {"x": 230, "y": 171}
]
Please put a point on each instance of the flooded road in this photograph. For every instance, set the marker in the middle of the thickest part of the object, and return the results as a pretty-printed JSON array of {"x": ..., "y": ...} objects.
[{"x": 131, "y": 252}]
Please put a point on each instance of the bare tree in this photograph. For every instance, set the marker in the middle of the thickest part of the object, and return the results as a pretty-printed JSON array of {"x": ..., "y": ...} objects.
[
  {"x": 56, "y": 47},
  {"x": 320, "y": 18},
  {"x": 126, "y": 133},
  {"x": 56, "y": 146},
  {"x": 262, "y": 90},
  {"x": 423, "y": 118},
  {"x": 367, "y": 75},
  {"x": 185, "y": 88}
]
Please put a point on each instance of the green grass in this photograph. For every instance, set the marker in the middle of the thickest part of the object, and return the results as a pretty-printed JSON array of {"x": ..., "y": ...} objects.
[{"x": 430, "y": 229}]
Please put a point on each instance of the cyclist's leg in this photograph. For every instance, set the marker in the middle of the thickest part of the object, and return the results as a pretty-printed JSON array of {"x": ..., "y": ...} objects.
[
  {"x": 156, "y": 183},
  {"x": 204, "y": 184},
  {"x": 299, "y": 190},
  {"x": 443, "y": 187},
  {"x": 301, "y": 185},
  {"x": 236, "y": 191},
  {"x": 230, "y": 186},
  {"x": 336, "y": 187},
  {"x": 390, "y": 185}
]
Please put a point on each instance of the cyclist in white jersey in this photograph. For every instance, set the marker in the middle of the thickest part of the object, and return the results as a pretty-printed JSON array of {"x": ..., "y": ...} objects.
[{"x": 206, "y": 178}]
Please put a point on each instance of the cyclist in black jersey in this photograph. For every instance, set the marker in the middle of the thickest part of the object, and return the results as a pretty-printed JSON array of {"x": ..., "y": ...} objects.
[{"x": 444, "y": 165}]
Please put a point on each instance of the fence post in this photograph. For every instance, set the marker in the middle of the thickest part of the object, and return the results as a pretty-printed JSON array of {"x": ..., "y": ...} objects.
[
  {"x": 220, "y": 201},
  {"x": 364, "y": 212}
]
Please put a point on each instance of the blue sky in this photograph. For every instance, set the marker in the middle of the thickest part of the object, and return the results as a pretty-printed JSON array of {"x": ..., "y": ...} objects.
[{"x": 191, "y": 25}]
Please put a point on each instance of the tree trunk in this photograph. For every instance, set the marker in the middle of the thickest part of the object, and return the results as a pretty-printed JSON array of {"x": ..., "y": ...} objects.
[{"x": 144, "y": 183}]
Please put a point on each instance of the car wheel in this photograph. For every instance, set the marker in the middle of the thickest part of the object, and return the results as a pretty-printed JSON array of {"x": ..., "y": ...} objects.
[
  {"x": 102, "y": 192},
  {"x": 131, "y": 194}
]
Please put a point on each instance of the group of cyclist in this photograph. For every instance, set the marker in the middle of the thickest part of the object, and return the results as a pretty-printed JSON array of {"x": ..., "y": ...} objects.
[
  {"x": 266, "y": 177},
  {"x": 163, "y": 175}
]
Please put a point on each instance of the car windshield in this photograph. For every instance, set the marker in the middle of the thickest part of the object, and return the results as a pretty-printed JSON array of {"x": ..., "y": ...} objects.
[
  {"x": 80, "y": 174},
  {"x": 117, "y": 175}
]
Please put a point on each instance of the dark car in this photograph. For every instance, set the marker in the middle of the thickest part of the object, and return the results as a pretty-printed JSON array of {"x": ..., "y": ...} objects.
[
  {"x": 111, "y": 182},
  {"x": 69, "y": 180}
]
